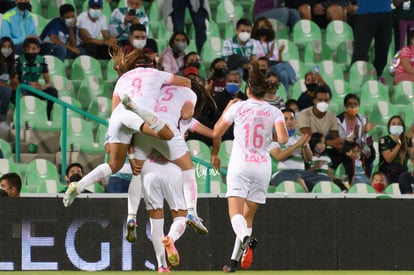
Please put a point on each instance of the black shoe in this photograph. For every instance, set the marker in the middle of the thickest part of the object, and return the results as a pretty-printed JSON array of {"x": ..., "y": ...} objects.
[{"x": 228, "y": 269}]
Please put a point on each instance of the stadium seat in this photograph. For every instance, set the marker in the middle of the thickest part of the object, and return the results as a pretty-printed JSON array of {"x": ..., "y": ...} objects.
[
  {"x": 83, "y": 66},
  {"x": 57, "y": 110},
  {"x": 212, "y": 30},
  {"x": 373, "y": 91},
  {"x": 53, "y": 7},
  {"x": 403, "y": 92},
  {"x": 225, "y": 152},
  {"x": 63, "y": 85},
  {"x": 337, "y": 32},
  {"x": 281, "y": 92},
  {"x": 316, "y": 52},
  {"x": 281, "y": 31},
  {"x": 199, "y": 150},
  {"x": 90, "y": 88},
  {"x": 326, "y": 187},
  {"x": 6, "y": 149},
  {"x": 110, "y": 74},
  {"x": 36, "y": 7},
  {"x": 211, "y": 50},
  {"x": 8, "y": 166},
  {"x": 393, "y": 189},
  {"x": 101, "y": 107},
  {"x": 80, "y": 137},
  {"x": 227, "y": 11},
  {"x": 154, "y": 16},
  {"x": 290, "y": 52},
  {"x": 55, "y": 65},
  {"x": 289, "y": 187},
  {"x": 40, "y": 170},
  {"x": 33, "y": 114},
  {"x": 297, "y": 89},
  {"x": 304, "y": 32},
  {"x": 339, "y": 88},
  {"x": 330, "y": 70},
  {"x": 299, "y": 67},
  {"x": 40, "y": 22},
  {"x": 343, "y": 54},
  {"x": 50, "y": 187},
  {"x": 361, "y": 188},
  {"x": 359, "y": 73},
  {"x": 383, "y": 110},
  {"x": 101, "y": 133}
]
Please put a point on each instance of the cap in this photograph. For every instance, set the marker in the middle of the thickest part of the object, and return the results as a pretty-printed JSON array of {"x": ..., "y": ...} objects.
[
  {"x": 95, "y": 3},
  {"x": 191, "y": 70}
]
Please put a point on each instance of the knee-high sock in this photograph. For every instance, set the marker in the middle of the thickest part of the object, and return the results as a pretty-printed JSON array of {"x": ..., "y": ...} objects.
[
  {"x": 177, "y": 228},
  {"x": 190, "y": 191},
  {"x": 157, "y": 233},
  {"x": 134, "y": 196},
  {"x": 154, "y": 121},
  {"x": 100, "y": 172},
  {"x": 239, "y": 224},
  {"x": 238, "y": 249}
]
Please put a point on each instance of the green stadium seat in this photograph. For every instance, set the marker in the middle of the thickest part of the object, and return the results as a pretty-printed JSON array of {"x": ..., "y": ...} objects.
[
  {"x": 339, "y": 88},
  {"x": 63, "y": 85},
  {"x": 304, "y": 32},
  {"x": 55, "y": 65},
  {"x": 110, "y": 74},
  {"x": 343, "y": 55},
  {"x": 83, "y": 66},
  {"x": 383, "y": 110},
  {"x": 361, "y": 188},
  {"x": 373, "y": 91},
  {"x": 36, "y": 7},
  {"x": 33, "y": 114},
  {"x": 326, "y": 187},
  {"x": 403, "y": 92},
  {"x": 330, "y": 70},
  {"x": 290, "y": 187},
  {"x": 225, "y": 152},
  {"x": 80, "y": 137},
  {"x": 101, "y": 133},
  {"x": 58, "y": 109},
  {"x": 40, "y": 170},
  {"x": 101, "y": 107},
  {"x": 212, "y": 30},
  {"x": 154, "y": 16},
  {"x": 228, "y": 11},
  {"x": 393, "y": 189},
  {"x": 211, "y": 50},
  {"x": 299, "y": 67},
  {"x": 337, "y": 32},
  {"x": 298, "y": 88},
  {"x": 6, "y": 149},
  {"x": 315, "y": 53},
  {"x": 50, "y": 187},
  {"x": 8, "y": 166},
  {"x": 199, "y": 149},
  {"x": 40, "y": 22},
  {"x": 359, "y": 73},
  {"x": 90, "y": 88},
  {"x": 281, "y": 31},
  {"x": 290, "y": 52}
]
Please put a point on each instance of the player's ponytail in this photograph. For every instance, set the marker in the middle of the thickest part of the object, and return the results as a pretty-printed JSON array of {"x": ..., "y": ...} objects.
[
  {"x": 257, "y": 82},
  {"x": 124, "y": 62}
]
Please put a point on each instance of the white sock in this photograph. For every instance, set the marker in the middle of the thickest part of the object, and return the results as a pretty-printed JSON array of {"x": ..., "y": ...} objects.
[
  {"x": 177, "y": 228},
  {"x": 190, "y": 191},
  {"x": 239, "y": 224},
  {"x": 132, "y": 121},
  {"x": 237, "y": 250},
  {"x": 157, "y": 232},
  {"x": 101, "y": 171},
  {"x": 134, "y": 196},
  {"x": 154, "y": 121}
]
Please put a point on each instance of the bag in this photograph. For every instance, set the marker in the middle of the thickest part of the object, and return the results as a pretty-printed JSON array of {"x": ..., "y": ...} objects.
[{"x": 394, "y": 63}]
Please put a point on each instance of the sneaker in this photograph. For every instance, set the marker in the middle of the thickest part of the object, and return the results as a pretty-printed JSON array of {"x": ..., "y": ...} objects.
[
  {"x": 71, "y": 193},
  {"x": 248, "y": 246},
  {"x": 172, "y": 253},
  {"x": 228, "y": 269},
  {"x": 164, "y": 269},
  {"x": 131, "y": 231},
  {"x": 4, "y": 126},
  {"x": 197, "y": 224},
  {"x": 129, "y": 104}
]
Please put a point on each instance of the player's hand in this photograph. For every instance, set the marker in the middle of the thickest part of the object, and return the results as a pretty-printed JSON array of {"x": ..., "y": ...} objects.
[{"x": 216, "y": 162}]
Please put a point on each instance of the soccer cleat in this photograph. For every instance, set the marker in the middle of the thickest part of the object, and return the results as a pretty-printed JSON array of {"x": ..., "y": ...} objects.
[
  {"x": 249, "y": 245},
  {"x": 228, "y": 269},
  {"x": 131, "y": 231},
  {"x": 164, "y": 269},
  {"x": 129, "y": 104},
  {"x": 197, "y": 224},
  {"x": 172, "y": 253},
  {"x": 71, "y": 193}
]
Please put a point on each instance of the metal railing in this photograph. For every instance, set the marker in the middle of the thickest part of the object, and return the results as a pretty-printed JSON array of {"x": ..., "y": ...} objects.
[{"x": 65, "y": 106}]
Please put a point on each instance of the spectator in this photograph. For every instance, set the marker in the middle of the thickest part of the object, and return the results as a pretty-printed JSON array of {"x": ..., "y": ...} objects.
[
  {"x": 92, "y": 24},
  {"x": 192, "y": 67},
  {"x": 217, "y": 82},
  {"x": 293, "y": 105},
  {"x": 276, "y": 10},
  {"x": 238, "y": 50},
  {"x": 18, "y": 24},
  {"x": 74, "y": 172},
  {"x": 271, "y": 96},
  {"x": 265, "y": 45},
  {"x": 172, "y": 58},
  {"x": 406, "y": 179},
  {"x": 138, "y": 39},
  {"x": 373, "y": 22},
  {"x": 119, "y": 182},
  {"x": 6, "y": 5},
  {"x": 29, "y": 67},
  {"x": 59, "y": 37},
  {"x": 11, "y": 184},
  {"x": 7, "y": 73},
  {"x": 199, "y": 12},
  {"x": 394, "y": 150},
  {"x": 193, "y": 74},
  {"x": 356, "y": 164},
  {"x": 312, "y": 80},
  {"x": 321, "y": 162},
  {"x": 404, "y": 12},
  {"x": 123, "y": 18},
  {"x": 379, "y": 182},
  {"x": 405, "y": 69}
]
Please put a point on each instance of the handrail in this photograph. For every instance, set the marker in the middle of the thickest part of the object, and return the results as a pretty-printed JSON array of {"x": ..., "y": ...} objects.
[{"x": 65, "y": 106}]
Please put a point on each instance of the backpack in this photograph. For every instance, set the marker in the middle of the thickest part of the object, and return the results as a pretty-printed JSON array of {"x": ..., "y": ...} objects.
[{"x": 395, "y": 61}]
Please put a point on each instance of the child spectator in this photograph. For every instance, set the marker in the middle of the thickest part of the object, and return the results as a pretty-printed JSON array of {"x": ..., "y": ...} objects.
[
  {"x": 6, "y": 73},
  {"x": 29, "y": 67},
  {"x": 356, "y": 164},
  {"x": 320, "y": 161},
  {"x": 379, "y": 182}
]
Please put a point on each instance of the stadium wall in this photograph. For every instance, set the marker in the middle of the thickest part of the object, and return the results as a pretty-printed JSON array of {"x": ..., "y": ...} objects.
[{"x": 293, "y": 234}]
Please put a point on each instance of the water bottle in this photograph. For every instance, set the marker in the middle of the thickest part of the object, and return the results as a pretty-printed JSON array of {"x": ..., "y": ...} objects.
[{"x": 315, "y": 69}]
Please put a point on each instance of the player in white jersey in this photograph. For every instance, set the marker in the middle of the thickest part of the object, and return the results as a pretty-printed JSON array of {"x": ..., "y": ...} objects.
[
  {"x": 137, "y": 84},
  {"x": 157, "y": 187},
  {"x": 249, "y": 169}
]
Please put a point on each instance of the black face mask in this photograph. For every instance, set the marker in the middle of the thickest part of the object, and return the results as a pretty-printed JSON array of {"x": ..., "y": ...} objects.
[
  {"x": 24, "y": 6},
  {"x": 30, "y": 57},
  {"x": 220, "y": 73},
  {"x": 311, "y": 86},
  {"x": 263, "y": 71},
  {"x": 75, "y": 178},
  {"x": 194, "y": 64},
  {"x": 262, "y": 32}
]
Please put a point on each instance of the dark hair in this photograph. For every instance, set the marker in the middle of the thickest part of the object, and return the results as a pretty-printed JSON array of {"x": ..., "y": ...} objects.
[
  {"x": 75, "y": 164},
  {"x": 271, "y": 34},
  {"x": 323, "y": 89},
  {"x": 410, "y": 36},
  {"x": 124, "y": 62},
  {"x": 349, "y": 145},
  {"x": 215, "y": 61},
  {"x": 137, "y": 27},
  {"x": 257, "y": 82},
  {"x": 350, "y": 96},
  {"x": 31, "y": 40},
  {"x": 290, "y": 102},
  {"x": 243, "y": 21},
  {"x": 10, "y": 59},
  {"x": 174, "y": 35},
  {"x": 287, "y": 110},
  {"x": 65, "y": 8},
  {"x": 13, "y": 179},
  {"x": 203, "y": 98},
  {"x": 185, "y": 58},
  {"x": 315, "y": 138},
  {"x": 3, "y": 193},
  {"x": 403, "y": 149}
]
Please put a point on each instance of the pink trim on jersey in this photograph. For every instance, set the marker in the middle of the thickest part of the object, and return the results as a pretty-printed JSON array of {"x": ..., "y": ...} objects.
[
  {"x": 170, "y": 80},
  {"x": 196, "y": 123},
  {"x": 189, "y": 101},
  {"x": 227, "y": 121}
]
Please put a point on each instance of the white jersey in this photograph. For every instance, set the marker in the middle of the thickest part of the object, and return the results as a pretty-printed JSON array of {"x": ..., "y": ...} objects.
[
  {"x": 188, "y": 125},
  {"x": 142, "y": 85}
]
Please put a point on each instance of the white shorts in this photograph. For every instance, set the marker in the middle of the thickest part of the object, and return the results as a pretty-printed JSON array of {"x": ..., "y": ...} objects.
[
  {"x": 171, "y": 149},
  {"x": 122, "y": 125},
  {"x": 250, "y": 187},
  {"x": 161, "y": 185}
]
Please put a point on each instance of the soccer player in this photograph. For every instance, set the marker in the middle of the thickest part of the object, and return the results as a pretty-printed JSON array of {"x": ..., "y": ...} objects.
[{"x": 249, "y": 169}]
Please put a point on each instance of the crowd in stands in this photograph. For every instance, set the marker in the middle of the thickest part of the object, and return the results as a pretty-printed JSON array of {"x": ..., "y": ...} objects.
[{"x": 328, "y": 130}]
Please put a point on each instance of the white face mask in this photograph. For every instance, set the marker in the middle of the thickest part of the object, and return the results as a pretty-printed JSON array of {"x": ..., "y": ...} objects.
[
  {"x": 95, "y": 14},
  {"x": 244, "y": 36},
  {"x": 6, "y": 52},
  {"x": 69, "y": 22},
  {"x": 139, "y": 43},
  {"x": 396, "y": 130},
  {"x": 322, "y": 106}
]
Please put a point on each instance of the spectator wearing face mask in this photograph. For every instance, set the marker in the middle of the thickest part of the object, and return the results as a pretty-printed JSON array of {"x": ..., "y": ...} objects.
[
  {"x": 11, "y": 184},
  {"x": 18, "y": 23},
  {"x": 217, "y": 82},
  {"x": 312, "y": 80},
  {"x": 271, "y": 96},
  {"x": 6, "y": 73},
  {"x": 59, "y": 37},
  {"x": 138, "y": 39},
  {"x": 172, "y": 58},
  {"x": 92, "y": 25},
  {"x": 74, "y": 173},
  {"x": 232, "y": 90}
]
